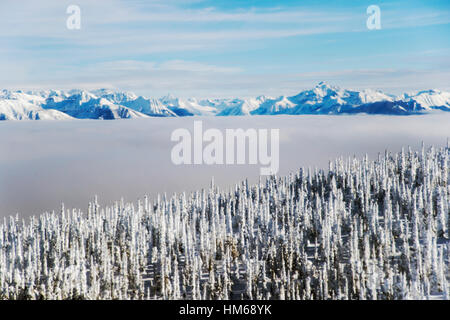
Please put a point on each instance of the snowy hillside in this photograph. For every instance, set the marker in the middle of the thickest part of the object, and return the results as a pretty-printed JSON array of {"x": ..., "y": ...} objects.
[
  {"x": 362, "y": 230},
  {"x": 85, "y": 105},
  {"x": 430, "y": 99},
  {"x": 108, "y": 104},
  {"x": 151, "y": 107},
  {"x": 326, "y": 99},
  {"x": 21, "y": 106}
]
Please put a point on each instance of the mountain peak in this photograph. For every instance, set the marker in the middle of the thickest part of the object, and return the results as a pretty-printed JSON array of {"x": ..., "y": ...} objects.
[
  {"x": 102, "y": 91},
  {"x": 110, "y": 104},
  {"x": 324, "y": 85},
  {"x": 168, "y": 97},
  {"x": 324, "y": 89}
]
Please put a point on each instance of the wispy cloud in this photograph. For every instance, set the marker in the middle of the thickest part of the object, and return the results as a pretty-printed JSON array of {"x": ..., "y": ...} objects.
[
  {"x": 180, "y": 65},
  {"x": 160, "y": 46},
  {"x": 129, "y": 66}
]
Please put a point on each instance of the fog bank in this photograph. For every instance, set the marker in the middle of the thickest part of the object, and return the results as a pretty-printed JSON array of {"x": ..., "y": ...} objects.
[{"x": 44, "y": 163}]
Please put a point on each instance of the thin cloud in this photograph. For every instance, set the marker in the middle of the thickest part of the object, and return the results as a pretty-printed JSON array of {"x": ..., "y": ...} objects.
[
  {"x": 160, "y": 46},
  {"x": 171, "y": 65},
  {"x": 180, "y": 65}
]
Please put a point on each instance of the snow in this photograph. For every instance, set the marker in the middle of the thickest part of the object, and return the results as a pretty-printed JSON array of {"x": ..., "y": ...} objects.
[
  {"x": 362, "y": 229},
  {"x": 109, "y": 104},
  {"x": 430, "y": 99},
  {"x": 76, "y": 159},
  {"x": 368, "y": 96},
  {"x": 196, "y": 241},
  {"x": 21, "y": 106}
]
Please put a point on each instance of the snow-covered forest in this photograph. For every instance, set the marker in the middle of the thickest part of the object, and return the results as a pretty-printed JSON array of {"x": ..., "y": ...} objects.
[{"x": 361, "y": 230}]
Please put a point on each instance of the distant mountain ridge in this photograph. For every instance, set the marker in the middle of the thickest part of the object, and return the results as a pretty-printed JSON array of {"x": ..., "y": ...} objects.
[{"x": 107, "y": 104}]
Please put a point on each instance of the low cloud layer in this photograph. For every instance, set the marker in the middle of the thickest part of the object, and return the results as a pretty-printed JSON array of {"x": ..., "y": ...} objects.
[{"x": 43, "y": 164}]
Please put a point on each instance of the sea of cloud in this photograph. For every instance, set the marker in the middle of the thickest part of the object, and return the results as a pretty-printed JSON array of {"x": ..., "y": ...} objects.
[{"x": 46, "y": 163}]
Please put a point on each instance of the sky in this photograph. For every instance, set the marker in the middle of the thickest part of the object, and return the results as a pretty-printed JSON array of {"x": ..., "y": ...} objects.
[{"x": 224, "y": 48}]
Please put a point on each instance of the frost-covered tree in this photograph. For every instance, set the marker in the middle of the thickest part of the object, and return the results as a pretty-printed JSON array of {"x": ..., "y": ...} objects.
[{"x": 360, "y": 230}]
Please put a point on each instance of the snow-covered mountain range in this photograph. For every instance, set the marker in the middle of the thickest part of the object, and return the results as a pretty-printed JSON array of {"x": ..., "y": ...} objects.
[{"x": 108, "y": 104}]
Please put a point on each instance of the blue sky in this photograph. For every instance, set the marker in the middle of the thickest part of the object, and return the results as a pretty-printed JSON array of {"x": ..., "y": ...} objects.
[{"x": 224, "y": 48}]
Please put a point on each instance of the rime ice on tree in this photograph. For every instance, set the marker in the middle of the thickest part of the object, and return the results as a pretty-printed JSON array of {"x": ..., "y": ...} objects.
[{"x": 362, "y": 230}]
